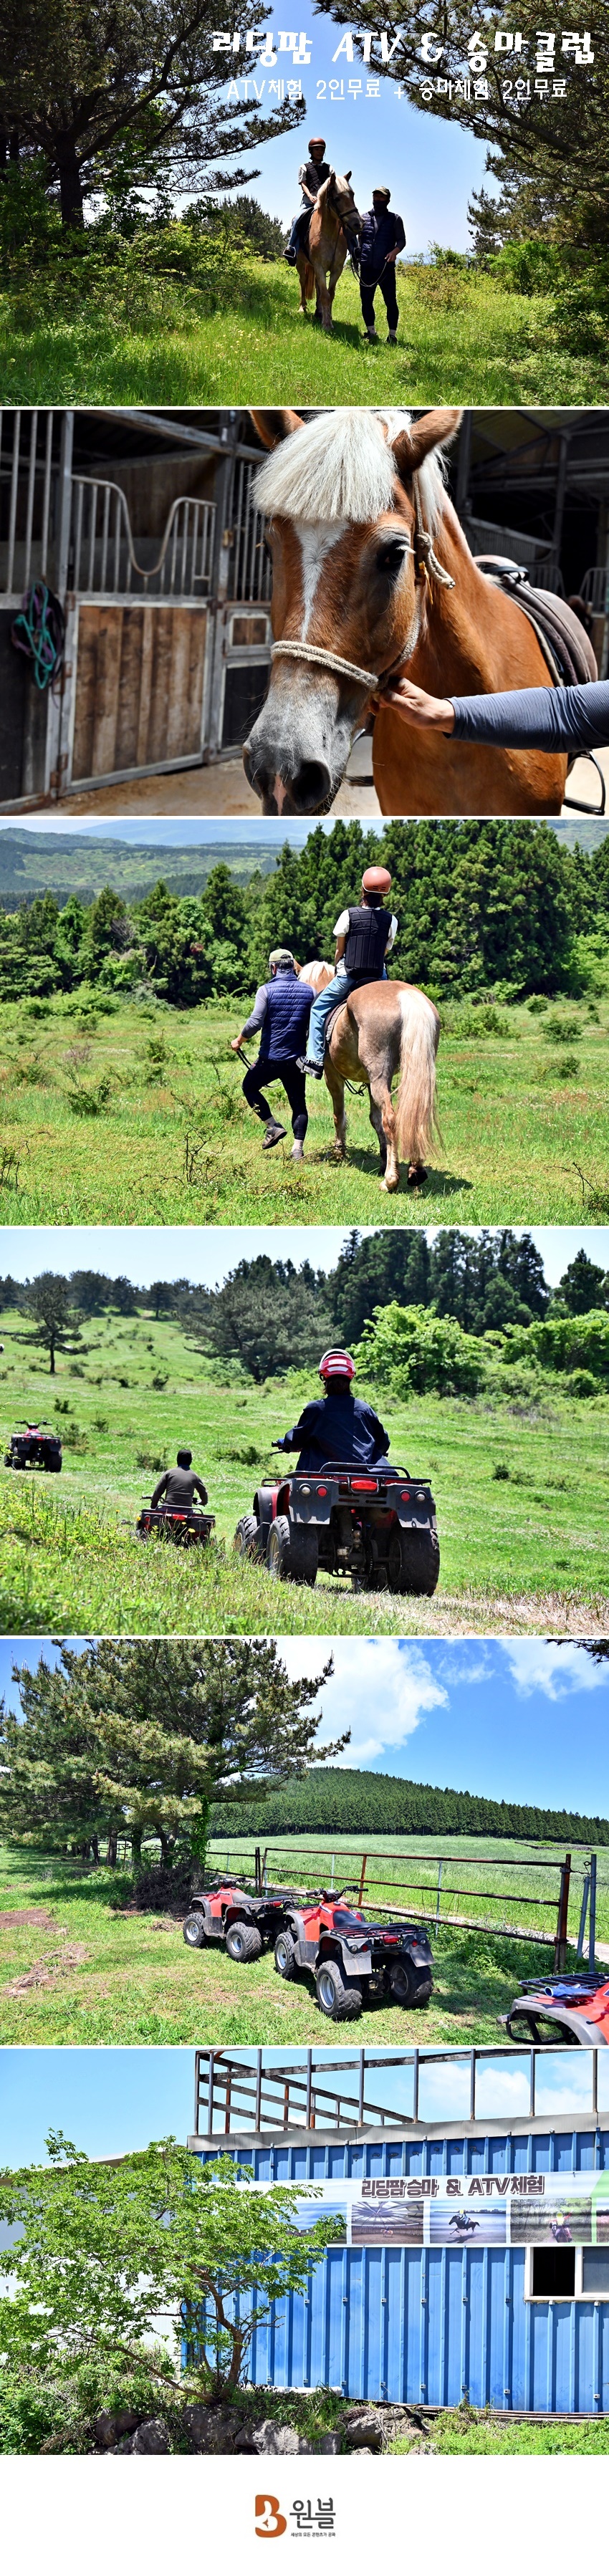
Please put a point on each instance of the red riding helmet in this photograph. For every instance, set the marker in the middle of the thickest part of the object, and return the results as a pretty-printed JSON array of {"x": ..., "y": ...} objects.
[
  {"x": 336, "y": 1364},
  {"x": 376, "y": 881}
]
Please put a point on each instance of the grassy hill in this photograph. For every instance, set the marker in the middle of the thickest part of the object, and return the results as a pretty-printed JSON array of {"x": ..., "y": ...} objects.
[
  {"x": 78, "y": 862},
  {"x": 164, "y": 1138},
  {"x": 463, "y": 338},
  {"x": 522, "y": 1551}
]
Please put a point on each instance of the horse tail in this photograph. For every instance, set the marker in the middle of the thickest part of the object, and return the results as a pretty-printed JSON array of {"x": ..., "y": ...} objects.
[{"x": 415, "y": 1109}]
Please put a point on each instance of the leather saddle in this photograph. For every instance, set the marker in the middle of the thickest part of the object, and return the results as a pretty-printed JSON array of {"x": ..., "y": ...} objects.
[{"x": 564, "y": 643}]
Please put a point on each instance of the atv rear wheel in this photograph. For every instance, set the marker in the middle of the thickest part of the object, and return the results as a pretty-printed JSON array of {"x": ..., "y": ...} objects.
[
  {"x": 194, "y": 1930},
  {"x": 419, "y": 1566},
  {"x": 243, "y": 1941},
  {"x": 409, "y": 1985},
  {"x": 339, "y": 2002},
  {"x": 249, "y": 1537},
  {"x": 291, "y": 1553},
  {"x": 285, "y": 1955}
]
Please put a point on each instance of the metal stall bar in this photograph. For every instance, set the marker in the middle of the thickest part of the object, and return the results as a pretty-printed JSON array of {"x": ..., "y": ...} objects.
[{"x": 12, "y": 523}]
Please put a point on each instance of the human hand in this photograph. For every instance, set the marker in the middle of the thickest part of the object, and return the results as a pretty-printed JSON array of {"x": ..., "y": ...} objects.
[
  {"x": 436, "y": 715},
  {"x": 235, "y": 1043}
]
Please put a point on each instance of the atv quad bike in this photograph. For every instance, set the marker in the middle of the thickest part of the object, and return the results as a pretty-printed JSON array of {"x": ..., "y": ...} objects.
[
  {"x": 378, "y": 1526},
  {"x": 562, "y": 2012},
  {"x": 352, "y": 1959},
  {"x": 33, "y": 1444},
  {"x": 182, "y": 1525},
  {"x": 225, "y": 1911}
]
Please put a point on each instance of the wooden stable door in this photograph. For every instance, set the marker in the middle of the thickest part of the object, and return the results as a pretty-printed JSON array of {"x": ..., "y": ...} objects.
[{"x": 138, "y": 693}]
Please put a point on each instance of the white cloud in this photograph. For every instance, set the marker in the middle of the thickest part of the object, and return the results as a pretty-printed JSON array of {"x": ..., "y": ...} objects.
[
  {"x": 536, "y": 1664},
  {"x": 382, "y": 1689}
]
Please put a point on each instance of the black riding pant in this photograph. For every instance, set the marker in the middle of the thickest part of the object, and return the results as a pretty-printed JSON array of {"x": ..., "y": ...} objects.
[
  {"x": 368, "y": 287},
  {"x": 272, "y": 1070}
]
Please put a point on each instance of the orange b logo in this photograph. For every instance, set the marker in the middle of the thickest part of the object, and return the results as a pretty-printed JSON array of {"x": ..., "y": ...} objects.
[{"x": 269, "y": 2521}]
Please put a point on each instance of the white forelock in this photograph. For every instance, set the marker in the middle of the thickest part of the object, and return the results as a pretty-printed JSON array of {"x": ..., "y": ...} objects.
[{"x": 340, "y": 466}]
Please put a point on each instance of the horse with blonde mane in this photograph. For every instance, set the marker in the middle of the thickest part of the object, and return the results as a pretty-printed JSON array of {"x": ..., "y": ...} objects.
[
  {"x": 372, "y": 575},
  {"x": 335, "y": 230},
  {"x": 380, "y": 1030}
]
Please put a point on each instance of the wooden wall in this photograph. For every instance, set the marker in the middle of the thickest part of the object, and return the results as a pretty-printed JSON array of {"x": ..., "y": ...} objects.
[{"x": 138, "y": 686}]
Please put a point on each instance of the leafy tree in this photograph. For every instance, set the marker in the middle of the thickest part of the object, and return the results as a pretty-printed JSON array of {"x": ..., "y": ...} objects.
[
  {"x": 141, "y": 1735},
  {"x": 107, "y": 2256},
  {"x": 405, "y": 1347},
  {"x": 49, "y": 1302},
  {"x": 378, "y": 1803},
  {"x": 90, "y": 1291},
  {"x": 80, "y": 83},
  {"x": 266, "y": 1315},
  {"x": 163, "y": 1297},
  {"x": 583, "y": 1285}
]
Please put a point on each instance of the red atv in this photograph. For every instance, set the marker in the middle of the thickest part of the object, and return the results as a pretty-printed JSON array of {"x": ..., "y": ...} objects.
[
  {"x": 225, "y": 1911},
  {"x": 352, "y": 1959},
  {"x": 378, "y": 1526},
  {"x": 34, "y": 1445},
  {"x": 563, "y": 2012},
  {"x": 182, "y": 1525}
]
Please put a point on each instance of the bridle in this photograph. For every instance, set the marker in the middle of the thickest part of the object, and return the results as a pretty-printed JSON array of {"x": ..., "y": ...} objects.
[{"x": 427, "y": 569}]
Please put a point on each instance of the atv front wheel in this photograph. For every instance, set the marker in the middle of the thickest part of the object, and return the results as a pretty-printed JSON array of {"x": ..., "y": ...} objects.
[
  {"x": 243, "y": 1941},
  {"x": 249, "y": 1537},
  {"x": 194, "y": 1931},
  {"x": 338, "y": 2001},
  {"x": 419, "y": 1565},
  {"x": 285, "y": 1956},
  {"x": 408, "y": 1986},
  {"x": 291, "y": 1553}
]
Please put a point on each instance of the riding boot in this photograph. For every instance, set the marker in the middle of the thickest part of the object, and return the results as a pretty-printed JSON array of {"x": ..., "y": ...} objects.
[
  {"x": 273, "y": 1134},
  {"x": 307, "y": 1064}
]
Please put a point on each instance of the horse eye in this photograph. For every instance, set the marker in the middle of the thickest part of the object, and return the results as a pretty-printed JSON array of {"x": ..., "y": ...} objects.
[{"x": 391, "y": 556}]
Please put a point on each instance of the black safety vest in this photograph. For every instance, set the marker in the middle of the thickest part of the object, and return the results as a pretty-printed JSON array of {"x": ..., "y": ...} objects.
[
  {"x": 315, "y": 173},
  {"x": 366, "y": 941}
]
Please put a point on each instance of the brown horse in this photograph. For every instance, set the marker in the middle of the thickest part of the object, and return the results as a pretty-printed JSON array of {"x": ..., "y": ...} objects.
[
  {"x": 335, "y": 229},
  {"x": 381, "y": 1030},
  {"x": 373, "y": 574}
]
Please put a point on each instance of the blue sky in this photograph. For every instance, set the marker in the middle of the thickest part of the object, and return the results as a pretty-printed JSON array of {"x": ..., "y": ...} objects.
[
  {"x": 430, "y": 166},
  {"x": 509, "y": 1717},
  {"x": 111, "y": 2100},
  {"x": 207, "y": 1253}
]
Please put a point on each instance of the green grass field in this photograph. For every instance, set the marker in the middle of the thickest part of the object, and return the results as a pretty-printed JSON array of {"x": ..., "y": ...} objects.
[
  {"x": 524, "y": 1552},
  {"x": 85, "y": 1970},
  {"x": 462, "y": 339},
  {"x": 136, "y": 1117}
]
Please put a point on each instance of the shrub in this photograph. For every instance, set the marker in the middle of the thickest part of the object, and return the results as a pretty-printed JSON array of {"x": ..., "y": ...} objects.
[{"x": 411, "y": 1348}]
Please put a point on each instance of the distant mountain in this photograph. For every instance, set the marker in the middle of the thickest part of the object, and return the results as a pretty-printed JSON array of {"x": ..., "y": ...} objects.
[{"x": 76, "y": 862}]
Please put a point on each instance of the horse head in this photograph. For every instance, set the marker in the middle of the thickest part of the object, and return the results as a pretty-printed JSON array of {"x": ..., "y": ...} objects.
[{"x": 352, "y": 500}]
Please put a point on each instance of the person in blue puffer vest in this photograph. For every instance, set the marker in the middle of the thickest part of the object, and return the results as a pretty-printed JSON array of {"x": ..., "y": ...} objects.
[{"x": 281, "y": 1013}]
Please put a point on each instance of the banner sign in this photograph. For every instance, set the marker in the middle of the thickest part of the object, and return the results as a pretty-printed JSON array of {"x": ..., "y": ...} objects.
[{"x": 480, "y": 2209}]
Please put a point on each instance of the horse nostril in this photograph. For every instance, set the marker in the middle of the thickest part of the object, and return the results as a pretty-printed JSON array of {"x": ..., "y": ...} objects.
[{"x": 310, "y": 788}]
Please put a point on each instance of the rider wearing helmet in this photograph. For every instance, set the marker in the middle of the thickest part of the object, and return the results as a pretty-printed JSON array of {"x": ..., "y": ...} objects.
[
  {"x": 281, "y": 1013},
  {"x": 177, "y": 1488},
  {"x": 338, "y": 1427},
  {"x": 311, "y": 176},
  {"x": 364, "y": 935}
]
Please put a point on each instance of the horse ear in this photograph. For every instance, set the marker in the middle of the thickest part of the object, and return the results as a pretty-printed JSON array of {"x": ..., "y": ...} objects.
[
  {"x": 435, "y": 429},
  {"x": 273, "y": 426},
  {"x": 347, "y": 174}
]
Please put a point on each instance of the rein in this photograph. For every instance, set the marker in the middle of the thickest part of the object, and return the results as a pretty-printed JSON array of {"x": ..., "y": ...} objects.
[{"x": 426, "y": 568}]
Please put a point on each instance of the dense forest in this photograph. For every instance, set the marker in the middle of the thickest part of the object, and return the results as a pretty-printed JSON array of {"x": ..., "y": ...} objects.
[
  {"x": 381, "y": 1297},
  {"x": 375, "y": 1802},
  {"x": 483, "y": 906}
]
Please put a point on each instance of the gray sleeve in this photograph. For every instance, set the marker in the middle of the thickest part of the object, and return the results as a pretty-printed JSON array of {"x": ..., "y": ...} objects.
[
  {"x": 257, "y": 1015},
  {"x": 537, "y": 719}
]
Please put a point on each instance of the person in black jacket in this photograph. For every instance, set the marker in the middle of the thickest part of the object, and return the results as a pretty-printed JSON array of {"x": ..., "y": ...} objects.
[
  {"x": 383, "y": 236},
  {"x": 364, "y": 934},
  {"x": 281, "y": 1014},
  {"x": 338, "y": 1429}
]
